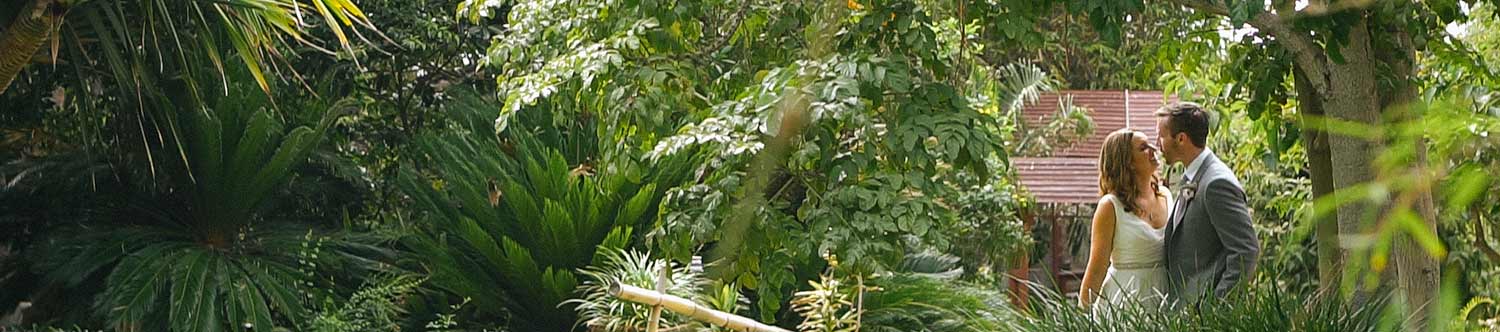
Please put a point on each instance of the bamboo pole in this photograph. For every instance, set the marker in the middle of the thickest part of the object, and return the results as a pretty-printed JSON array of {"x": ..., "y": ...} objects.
[
  {"x": 688, "y": 308},
  {"x": 661, "y": 287}
]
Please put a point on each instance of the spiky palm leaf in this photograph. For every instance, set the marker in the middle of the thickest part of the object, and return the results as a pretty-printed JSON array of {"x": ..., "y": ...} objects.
[
  {"x": 143, "y": 56},
  {"x": 260, "y": 31}
]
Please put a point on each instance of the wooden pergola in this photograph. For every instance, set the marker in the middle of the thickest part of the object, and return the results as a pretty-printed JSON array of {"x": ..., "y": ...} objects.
[{"x": 1066, "y": 183}]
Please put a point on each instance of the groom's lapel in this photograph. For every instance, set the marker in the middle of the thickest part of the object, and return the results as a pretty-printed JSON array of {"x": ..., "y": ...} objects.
[
  {"x": 1179, "y": 214},
  {"x": 1179, "y": 208},
  {"x": 1176, "y": 213}
]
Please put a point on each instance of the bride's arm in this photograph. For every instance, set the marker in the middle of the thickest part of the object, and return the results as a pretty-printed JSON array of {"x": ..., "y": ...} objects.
[{"x": 1101, "y": 244}]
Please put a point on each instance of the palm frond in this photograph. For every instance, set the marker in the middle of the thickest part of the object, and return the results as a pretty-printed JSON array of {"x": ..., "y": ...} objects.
[
  {"x": 1067, "y": 126},
  {"x": 1020, "y": 84},
  {"x": 932, "y": 264}
]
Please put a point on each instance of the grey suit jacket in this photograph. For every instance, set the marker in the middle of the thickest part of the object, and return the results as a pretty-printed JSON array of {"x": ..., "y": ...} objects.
[{"x": 1211, "y": 246}]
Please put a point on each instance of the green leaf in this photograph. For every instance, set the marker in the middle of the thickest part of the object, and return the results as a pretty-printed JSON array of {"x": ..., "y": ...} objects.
[
  {"x": 255, "y": 142},
  {"x": 250, "y": 299},
  {"x": 294, "y": 148},
  {"x": 1420, "y": 232},
  {"x": 136, "y": 284},
  {"x": 1344, "y": 127},
  {"x": 636, "y": 207},
  {"x": 189, "y": 293},
  {"x": 278, "y": 286},
  {"x": 1468, "y": 183},
  {"x": 249, "y": 53}
]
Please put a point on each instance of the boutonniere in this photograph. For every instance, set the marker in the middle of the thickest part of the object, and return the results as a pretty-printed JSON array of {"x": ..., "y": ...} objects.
[{"x": 1188, "y": 190}]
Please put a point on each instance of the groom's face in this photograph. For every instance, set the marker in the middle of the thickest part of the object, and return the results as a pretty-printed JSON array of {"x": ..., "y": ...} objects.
[{"x": 1166, "y": 140}]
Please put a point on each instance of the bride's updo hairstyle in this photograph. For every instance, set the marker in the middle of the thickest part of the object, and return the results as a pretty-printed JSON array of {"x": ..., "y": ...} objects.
[{"x": 1117, "y": 171}]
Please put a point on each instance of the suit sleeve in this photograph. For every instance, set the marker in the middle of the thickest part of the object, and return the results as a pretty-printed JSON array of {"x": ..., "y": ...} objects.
[{"x": 1230, "y": 217}]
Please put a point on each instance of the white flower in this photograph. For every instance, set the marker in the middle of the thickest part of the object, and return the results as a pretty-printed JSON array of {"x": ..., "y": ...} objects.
[{"x": 1188, "y": 190}]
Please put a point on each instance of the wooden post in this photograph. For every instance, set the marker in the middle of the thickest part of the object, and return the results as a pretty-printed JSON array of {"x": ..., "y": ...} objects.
[
  {"x": 1022, "y": 274},
  {"x": 688, "y": 308},
  {"x": 1055, "y": 248}
]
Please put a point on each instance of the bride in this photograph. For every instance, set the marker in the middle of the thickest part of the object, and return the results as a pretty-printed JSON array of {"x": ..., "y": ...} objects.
[{"x": 1125, "y": 255}]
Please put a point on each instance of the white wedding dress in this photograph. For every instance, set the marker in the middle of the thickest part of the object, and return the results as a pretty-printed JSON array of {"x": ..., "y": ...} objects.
[{"x": 1137, "y": 275}]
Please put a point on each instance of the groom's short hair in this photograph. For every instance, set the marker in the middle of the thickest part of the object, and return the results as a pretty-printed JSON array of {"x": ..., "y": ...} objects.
[{"x": 1186, "y": 117}]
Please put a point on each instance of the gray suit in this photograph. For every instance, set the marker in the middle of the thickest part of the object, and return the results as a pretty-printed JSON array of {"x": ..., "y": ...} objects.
[{"x": 1210, "y": 244}]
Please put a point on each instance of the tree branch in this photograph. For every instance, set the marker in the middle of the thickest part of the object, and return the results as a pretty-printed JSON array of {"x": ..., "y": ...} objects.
[
  {"x": 1205, "y": 6},
  {"x": 722, "y": 40},
  {"x": 1309, "y": 56},
  {"x": 1479, "y": 237}
]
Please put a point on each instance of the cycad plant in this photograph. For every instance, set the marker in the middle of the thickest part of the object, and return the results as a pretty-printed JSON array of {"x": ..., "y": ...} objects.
[
  {"x": 509, "y": 220},
  {"x": 194, "y": 245}
]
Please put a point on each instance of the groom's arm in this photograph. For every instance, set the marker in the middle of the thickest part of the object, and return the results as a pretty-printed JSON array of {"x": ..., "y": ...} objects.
[{"x": 1231, "y": 220}]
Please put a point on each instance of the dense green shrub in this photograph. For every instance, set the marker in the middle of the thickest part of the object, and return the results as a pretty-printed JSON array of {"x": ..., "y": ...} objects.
[{"x": 376, "y": 306}]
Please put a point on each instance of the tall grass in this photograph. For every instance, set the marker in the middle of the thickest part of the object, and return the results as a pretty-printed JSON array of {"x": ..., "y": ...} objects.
[{"x": 1260, "y": 308}]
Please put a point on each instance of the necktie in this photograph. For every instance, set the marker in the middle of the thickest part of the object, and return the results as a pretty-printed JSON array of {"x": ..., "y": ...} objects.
[{"x": 1180, "y": 203}]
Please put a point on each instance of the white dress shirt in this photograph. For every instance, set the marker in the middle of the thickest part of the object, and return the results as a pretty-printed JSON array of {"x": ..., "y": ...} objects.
[{"x": 1192, "y": 168}]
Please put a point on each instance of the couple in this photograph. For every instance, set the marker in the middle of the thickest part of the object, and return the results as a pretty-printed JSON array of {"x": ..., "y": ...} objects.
[{"x": 1149, "y": 249}]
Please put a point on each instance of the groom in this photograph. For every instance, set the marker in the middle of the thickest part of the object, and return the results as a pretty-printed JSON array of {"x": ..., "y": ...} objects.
[{"x": 1211, "y": 247}]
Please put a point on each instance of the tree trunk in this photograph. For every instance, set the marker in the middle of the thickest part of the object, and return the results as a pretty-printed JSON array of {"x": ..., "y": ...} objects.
[
  {"x": 1320, "y": 169},
  {"x": 1352, "y": 96},
  {"x": 25, "y": 35},
  {"x": 1417, "y": 272},
  {"x": 1349, "y": 90}
]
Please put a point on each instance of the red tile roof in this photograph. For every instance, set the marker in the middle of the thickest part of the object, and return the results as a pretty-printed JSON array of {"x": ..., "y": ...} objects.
[{"x": 1071, "y": 174}]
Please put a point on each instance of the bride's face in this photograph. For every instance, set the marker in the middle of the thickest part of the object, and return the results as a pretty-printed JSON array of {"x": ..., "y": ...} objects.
[{"x": 1144, "y": 156}]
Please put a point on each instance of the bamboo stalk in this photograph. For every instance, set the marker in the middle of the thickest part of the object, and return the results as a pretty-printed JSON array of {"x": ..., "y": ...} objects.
[
  {"x": 688, "y": 308},
  {"x": 661, "y": 287}
]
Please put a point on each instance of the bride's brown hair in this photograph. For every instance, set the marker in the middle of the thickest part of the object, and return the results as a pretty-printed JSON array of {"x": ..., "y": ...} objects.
[{"x": 1117, "y": 171}]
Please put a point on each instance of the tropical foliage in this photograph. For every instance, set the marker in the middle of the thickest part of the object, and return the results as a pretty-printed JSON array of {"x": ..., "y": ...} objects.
[{"x": 840, "y": 165}]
